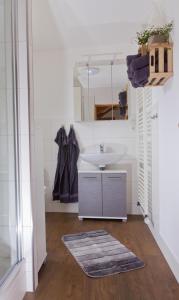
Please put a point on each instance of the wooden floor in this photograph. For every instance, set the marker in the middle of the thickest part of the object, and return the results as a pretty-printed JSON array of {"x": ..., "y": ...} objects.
[{"x": 62, "y": 279}]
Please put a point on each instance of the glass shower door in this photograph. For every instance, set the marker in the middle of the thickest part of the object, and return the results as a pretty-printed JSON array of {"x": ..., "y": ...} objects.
[{"x": 9, "y": 198}]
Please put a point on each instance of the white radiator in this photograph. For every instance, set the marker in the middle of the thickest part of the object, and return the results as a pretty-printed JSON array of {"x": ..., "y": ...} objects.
[{"x": 144, "y": 143}]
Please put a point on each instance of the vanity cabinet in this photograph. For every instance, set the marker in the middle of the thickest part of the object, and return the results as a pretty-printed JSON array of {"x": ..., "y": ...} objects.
[
  {"x": 90, "y": 196},
  {"x": 102, "y": 194}
]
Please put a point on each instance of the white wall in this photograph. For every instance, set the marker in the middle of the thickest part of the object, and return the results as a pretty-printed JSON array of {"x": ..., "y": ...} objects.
[
  {"x": 168, "y": 102},
  {"x": 53, "y": 105}
]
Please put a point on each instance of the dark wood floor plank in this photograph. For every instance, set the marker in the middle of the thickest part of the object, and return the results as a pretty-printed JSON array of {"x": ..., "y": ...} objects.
[{"x": 61, "y": 278}]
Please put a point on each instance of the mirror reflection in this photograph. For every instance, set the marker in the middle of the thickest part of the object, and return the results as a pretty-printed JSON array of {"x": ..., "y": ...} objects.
[{"x": 100, "y": 89}]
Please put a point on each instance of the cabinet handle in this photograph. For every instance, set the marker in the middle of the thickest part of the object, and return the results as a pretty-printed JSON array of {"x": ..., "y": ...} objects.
[
  {"x": 113, "y": 177},
  {"x": 90, "y": 177}
]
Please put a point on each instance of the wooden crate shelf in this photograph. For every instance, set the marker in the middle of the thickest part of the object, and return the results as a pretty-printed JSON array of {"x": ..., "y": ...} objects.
[{"x": 160, "y": 63}]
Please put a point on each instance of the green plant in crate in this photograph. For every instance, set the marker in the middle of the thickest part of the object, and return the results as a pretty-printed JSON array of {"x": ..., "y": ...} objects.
[
  {"x": 143, "y": 36},
  {"x": 162, "y": 32}
]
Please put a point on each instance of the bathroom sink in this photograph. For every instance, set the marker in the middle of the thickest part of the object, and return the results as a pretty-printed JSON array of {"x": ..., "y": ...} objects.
[{"x": 101, "y": 159}]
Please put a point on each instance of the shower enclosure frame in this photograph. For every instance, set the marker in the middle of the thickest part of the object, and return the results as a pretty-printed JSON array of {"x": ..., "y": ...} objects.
[
  {"x": 15, "y": 116},
  {"x": 16, "y": 130}
]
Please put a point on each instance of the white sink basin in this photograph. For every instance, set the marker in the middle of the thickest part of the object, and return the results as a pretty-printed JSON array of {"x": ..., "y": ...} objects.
[{"x": 101, "y": 159}]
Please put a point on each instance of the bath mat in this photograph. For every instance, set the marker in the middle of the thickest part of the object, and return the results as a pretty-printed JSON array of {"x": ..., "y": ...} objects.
[{"x": 99, "y": 254}]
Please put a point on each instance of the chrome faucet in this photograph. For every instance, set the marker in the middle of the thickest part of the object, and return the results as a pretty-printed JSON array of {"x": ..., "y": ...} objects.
[{"x": 101, "y": 147}]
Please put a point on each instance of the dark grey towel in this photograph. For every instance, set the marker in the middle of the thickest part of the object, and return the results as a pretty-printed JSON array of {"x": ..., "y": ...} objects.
[
  {"x": 139, "y": 63},
  {"x": 134, "y": 84},
  {"x": 138, "y": 70},
  {"x": 73, "y": 154},
  {"x": 61, "y": 184},
  {"x": 129, "y": 75},
  {"x": 141, "y": 75},
  {"x": 122, "y": 111},
  {"x": 130, "y": 58},
  {"x": 139, "y": 84},
  {"x": 123, "y": 98}
]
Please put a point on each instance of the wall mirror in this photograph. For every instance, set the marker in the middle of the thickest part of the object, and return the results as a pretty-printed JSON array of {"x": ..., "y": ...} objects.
[{"x": 100, "y": 88}]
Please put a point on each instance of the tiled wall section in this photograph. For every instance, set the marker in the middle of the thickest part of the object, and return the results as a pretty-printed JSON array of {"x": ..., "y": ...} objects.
[{"x": 53, "y": 78}]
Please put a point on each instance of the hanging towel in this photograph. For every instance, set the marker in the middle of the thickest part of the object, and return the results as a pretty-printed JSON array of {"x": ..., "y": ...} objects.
[
  {"x": 135, "y": 85},
  {"x": 122, "y": 111},
  {"x": 141, "y": 75},
  {"x": 140, "y": 62},
  {"x": 139, "y": 84},
  {"x": 138, "y": 70},
  {"x": 73, "y": 154},
  {"x": 130, "y": 58},
  {"x": 130, "y": 73},
  {"x": 61, "y": 184},
  {"x": 123, "y": 98}
]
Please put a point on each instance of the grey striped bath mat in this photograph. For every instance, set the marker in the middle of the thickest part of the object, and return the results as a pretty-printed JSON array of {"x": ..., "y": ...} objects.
[{"x": 99, "y": 254}]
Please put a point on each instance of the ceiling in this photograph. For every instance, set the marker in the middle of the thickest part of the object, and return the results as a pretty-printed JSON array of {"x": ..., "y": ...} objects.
[{"x": 90, "y": 23}]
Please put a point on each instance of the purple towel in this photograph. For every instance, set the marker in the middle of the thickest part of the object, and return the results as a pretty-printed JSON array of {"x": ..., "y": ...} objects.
[
  {"x": 140, "y": 84},
  {"x": 139, "y": 63},
  {"x": 123, "y": 98},
  {"x": 130, "y": 73},
  {"x": 138, "y": 69},
  {"x": 135, "y": 85},
  {"x": 122, "y": 111},
  {"x": 141, "y": 75},
  {"x": 130, "y": 58}
]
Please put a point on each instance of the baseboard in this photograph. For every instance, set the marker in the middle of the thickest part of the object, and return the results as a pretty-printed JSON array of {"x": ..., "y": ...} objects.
[
  {"x": 61, "y": 207},
  {"x": 170, "y": 258},
  {"x": 73, "y": 208}
]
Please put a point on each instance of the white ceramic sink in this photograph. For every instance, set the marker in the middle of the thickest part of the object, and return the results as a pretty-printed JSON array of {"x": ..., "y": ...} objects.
[{"x": 101, "y": 159}]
